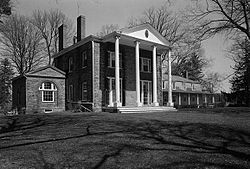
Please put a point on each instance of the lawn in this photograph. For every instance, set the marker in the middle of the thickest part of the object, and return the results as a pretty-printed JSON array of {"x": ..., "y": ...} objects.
[{"x": 207, "y": 138}]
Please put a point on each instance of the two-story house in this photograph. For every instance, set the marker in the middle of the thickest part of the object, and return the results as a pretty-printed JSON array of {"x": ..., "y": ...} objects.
[{"x": 120, "y": 71}]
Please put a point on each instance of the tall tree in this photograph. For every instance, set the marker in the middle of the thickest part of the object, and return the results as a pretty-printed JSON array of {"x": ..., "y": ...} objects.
[
  {"x": 47, "y": 23},
  {"x": 231, "y": 17},
  {"x": 21, "y": 43},
  {"x": 179, "y": 33},
  {"x": 240, "y": 53},
  {"x": 5, "y": 8},
  {"x": 6, "y": 74}
]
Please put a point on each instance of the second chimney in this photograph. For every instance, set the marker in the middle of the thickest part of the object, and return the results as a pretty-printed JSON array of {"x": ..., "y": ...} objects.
[
  {"x": 62, "y": 39},
  {"x": 80, "y": 28}
]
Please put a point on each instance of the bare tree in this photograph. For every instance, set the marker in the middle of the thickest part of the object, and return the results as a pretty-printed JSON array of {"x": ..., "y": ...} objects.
[
  {"x": 5, "y": 8},
  {"x": 177, "y": 31},
  {"x": 107, "y": 29},
  {"x": 21, "y": 42},
  {"x": 47, "y": 22},
  {"x": 221, "y": 16}
]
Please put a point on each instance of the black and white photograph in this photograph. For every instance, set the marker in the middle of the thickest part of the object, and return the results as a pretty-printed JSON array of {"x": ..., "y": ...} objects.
[{"x": 124, "y": 84}]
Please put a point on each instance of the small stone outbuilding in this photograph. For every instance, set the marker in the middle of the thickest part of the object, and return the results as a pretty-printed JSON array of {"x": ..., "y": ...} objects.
[{"x": 42, "y": 90}]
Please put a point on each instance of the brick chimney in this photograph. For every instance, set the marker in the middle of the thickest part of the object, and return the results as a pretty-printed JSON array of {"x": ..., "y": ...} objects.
[
  {"x": 80, "y": 28},
  {"x": 62, "y": 39}
]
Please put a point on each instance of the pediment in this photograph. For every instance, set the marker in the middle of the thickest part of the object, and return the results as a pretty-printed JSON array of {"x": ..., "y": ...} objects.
[
  {"x": 48, "y": 71},
  {"x": 147, "y": 33}
]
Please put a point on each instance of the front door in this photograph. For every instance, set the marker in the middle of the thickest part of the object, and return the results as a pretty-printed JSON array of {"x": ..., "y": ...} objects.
[
  {"x": 111, "y": 97},
  {"x": 146, "y": 92}
]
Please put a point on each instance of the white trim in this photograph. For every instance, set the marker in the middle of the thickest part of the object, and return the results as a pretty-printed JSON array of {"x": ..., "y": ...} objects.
[
  {"x": 53, "y": 89},
  {"x": 110, "y": 59},
  {"x": 111, "y": 102},
  {"x": 93, "y": 69}
]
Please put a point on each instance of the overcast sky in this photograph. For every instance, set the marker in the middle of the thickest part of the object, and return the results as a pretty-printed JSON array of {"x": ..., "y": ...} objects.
[{"x": 101, "y": 12}]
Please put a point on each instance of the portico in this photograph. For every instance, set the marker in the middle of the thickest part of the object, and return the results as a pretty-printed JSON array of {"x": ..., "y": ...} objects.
[{"x": 143, "y": 37}]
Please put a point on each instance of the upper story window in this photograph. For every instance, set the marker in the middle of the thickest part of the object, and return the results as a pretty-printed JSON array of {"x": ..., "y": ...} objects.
[
  {"x": 145, "y": 65},
  {"x": 71, "y": 64},
  {"x": 84, "y": 59},
  {"x": 48, "y": 91},
  {"x": 111, "y": 60},
  {"x": 173, "y": 86}
]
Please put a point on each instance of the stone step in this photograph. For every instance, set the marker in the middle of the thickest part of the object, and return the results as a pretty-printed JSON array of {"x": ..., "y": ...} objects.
[{"x": 144, "y": 109}]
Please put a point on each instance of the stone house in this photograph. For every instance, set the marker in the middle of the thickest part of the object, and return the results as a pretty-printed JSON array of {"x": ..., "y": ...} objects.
[
  {"x": 42, "y": 90},
  {"x": 119, "y": 71}
]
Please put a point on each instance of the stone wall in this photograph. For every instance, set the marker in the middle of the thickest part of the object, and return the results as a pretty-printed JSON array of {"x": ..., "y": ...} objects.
[{"x": 34, "y": 102}]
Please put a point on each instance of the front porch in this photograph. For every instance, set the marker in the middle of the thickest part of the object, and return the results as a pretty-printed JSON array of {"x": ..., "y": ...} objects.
[{"x": 141, "y": 71}]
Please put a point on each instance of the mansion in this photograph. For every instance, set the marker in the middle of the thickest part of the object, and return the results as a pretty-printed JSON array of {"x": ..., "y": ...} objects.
[{"x": 119, "y": 72}]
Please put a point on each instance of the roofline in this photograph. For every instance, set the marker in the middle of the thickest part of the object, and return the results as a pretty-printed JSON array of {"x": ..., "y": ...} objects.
[
  {"x": 76, "y": 45},
  {"x": 45, "y": 67},
  {"x": 158, "y": 34},
  {"x": 117, "y": 33},
  {"x": 17, "y": 77}
]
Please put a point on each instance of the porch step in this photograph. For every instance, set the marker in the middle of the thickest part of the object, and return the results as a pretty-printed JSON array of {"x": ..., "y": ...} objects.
[{"x": 139, "y": 109}]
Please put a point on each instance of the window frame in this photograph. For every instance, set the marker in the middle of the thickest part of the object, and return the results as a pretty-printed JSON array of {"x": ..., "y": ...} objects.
[
  {"x": 84, "y": 91},
  {"x": 148, "y": 64},
  {"x": 44, "y": 89},
  {"x": 111, "y": 58},
  {"x": 84, "y": 57},
  {"x": 70, "y": 64}
]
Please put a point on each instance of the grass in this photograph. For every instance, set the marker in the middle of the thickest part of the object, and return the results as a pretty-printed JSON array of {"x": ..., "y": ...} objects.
[{"x": 209, "y": 139}]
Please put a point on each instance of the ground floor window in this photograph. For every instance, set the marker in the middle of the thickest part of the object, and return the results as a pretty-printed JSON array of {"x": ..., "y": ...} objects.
[
  {"x": 84, "y": 91},
  {"x": 146, "y": 92},
  {"x": 111, "y": 97},
  {"x": 48, "y": 91}
]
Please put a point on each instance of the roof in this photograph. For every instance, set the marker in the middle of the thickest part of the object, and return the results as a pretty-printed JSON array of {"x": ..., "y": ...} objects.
[
  {"x": 178, "y": 79},
  {"x": 136, "y": 32},
  {"x": 45, "y": 67},
  {"x": 55, "y": 73},
  {"x": 76, "y": 45}
]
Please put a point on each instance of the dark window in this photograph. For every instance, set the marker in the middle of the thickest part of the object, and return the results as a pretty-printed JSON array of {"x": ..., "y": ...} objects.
[
  {"x": 111, "y": 60},
  {"x": 71, "y": 64},
  {"x": 84, "y": 91},
  {"x": 145, "y": 65},
  {"x": 84, "y": 59}
]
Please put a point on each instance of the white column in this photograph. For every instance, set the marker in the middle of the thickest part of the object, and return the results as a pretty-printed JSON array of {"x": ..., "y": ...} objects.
[
  {"x": 170, "y": 102},
  {"x": 137, "y": 72},
  {"x": 117, "y": 73},
  {"x": 197, "y": 99},
  {"x": 205, "y": 98},
  {"x": 213, "y": 100},
  {"x": 189, "y": 99},
  {"x": 179, "y": 99},
  {"x": 155, "y": 102}
]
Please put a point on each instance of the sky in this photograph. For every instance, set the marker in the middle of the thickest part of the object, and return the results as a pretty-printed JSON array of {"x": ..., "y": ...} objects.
[{"x": 102, "y": 12}]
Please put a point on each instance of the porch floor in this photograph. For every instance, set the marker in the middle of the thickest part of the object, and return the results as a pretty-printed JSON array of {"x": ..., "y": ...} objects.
[{"x": 146, "y": 109}]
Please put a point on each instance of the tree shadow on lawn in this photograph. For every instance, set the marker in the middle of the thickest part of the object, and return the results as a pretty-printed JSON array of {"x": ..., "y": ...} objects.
[
  {"x": 198, "y": 138},
  {"x": 191, "y": 138}
]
